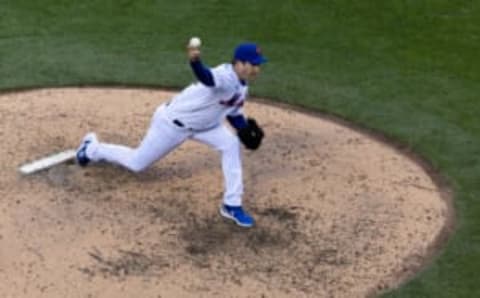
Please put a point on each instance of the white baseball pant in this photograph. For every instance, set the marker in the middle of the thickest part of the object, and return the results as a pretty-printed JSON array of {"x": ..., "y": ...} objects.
[{"x": 163, "y": 136}]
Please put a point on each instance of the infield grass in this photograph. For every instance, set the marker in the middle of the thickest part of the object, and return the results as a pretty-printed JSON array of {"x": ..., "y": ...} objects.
[{"x": 407, "y": 68}]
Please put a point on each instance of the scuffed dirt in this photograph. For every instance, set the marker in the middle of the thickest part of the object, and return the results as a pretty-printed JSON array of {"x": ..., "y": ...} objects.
[{"x": 338, "y": 213}]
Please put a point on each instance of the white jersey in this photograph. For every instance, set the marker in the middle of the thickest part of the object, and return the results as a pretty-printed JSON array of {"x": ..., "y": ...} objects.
[{"x": 201, "y": 107}]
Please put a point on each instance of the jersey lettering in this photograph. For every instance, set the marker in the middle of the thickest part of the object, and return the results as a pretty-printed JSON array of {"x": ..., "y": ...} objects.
[{"x": 235, "y": 101}]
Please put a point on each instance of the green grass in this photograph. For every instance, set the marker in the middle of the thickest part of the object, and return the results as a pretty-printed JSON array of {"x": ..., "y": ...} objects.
[{"x": 410, "y": 69}]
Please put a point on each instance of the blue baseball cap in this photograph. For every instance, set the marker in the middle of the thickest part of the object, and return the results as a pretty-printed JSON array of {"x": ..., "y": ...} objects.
[{"x": 249, "y": 52}]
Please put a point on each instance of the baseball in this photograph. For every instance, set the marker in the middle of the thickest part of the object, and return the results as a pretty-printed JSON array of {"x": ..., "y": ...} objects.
[{"x": 194, "y": 42}]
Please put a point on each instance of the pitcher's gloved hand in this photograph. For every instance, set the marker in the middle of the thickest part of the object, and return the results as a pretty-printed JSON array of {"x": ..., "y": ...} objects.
[{"x": 251, "y": 136}]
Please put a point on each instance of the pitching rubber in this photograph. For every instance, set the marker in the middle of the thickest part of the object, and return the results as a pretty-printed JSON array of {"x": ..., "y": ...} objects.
[{"x": 47, "y": 162}]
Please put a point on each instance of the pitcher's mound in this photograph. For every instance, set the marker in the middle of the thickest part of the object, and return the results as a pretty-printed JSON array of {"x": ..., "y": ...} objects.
[{"x": 338, "y": 213}]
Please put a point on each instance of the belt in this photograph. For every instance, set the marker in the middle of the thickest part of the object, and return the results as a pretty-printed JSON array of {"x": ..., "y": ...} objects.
[
  {"x": 182, "y": 125},
  {"x": 178, "y": 123}
]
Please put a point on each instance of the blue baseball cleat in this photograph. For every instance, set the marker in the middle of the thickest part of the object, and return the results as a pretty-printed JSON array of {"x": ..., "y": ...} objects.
[
  {"x": 238, "y": 215},
  {"x": 82, "y": 158}
]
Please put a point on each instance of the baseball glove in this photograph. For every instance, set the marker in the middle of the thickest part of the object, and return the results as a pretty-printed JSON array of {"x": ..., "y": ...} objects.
[{"x": 251, "y": 136}]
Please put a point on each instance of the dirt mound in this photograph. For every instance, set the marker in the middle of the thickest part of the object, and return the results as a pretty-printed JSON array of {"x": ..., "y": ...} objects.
[{"x": 338, "y": 213}]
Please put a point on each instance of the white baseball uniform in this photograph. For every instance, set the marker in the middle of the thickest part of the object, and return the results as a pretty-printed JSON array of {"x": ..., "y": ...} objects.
[{"x": 196, "y": 113}]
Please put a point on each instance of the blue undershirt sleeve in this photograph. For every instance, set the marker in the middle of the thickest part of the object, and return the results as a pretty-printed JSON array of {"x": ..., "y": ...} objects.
[
  {"x": 237, "y": 121},
  {"x": 202, "y": 73}
]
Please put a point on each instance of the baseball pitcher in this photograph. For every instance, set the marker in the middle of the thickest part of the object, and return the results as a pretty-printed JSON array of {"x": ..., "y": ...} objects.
[{"x": 197, "y": 113}]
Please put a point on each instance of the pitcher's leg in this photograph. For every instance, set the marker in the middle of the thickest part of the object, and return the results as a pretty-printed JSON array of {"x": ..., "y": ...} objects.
[
  {"x": 221, "y": 139},
  {"x": 160, "y": 139},
  {"x": 228, "y": 144},
  {"x": 233, "y": 174}
]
